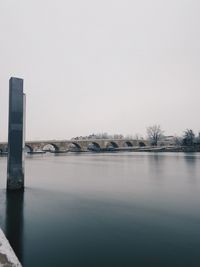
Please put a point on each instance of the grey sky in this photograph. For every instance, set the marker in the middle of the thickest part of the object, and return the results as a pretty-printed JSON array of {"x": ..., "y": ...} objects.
[{"x": 112, "y": 66}]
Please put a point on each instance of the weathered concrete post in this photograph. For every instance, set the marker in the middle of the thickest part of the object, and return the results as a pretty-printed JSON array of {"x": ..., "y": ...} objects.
[{"x": 15, "y": 168}]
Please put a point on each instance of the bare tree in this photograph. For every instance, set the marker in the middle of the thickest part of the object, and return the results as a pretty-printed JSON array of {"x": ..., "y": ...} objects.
[
  {"x": 189, "y": 138},
  {"x": 198, "y": 138},
  {"x": 178, "y": 140},
  {"x": 154, "y": 133}
]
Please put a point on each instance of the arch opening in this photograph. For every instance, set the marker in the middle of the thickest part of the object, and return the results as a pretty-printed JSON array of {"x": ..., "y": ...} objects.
[
  {"x": 50, "y": 148},
  {"x": 128, "y": 144},
  {"x": 28, "y": 149},
  {"x": 112, "y": 145},
  {"x": 74, "y": 147},
  {"x": 93, "y": 146},
  {"x": 4, "y": 150},
  {"x": 141, "y": 144}
]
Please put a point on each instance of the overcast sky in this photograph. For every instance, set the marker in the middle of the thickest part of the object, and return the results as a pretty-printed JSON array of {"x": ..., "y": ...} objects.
[{"x": 93, "y": 66}]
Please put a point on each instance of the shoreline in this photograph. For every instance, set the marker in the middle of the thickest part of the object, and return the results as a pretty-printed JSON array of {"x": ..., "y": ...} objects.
[
  {"x": 115, "y": 150},
  {"x": 7, "y": 255}
]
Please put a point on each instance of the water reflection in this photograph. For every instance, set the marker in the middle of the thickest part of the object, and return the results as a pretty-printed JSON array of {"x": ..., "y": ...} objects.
[
  {"x": 122, "y": 209},
  {"x": 191, "y": 161},
  {"x": 156, "y": 168},
  {"x": 14, "y": 221}
]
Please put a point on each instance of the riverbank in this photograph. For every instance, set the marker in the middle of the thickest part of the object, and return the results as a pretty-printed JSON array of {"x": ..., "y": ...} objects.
[
  {"x": 7, "y": 255},
  {"x": 185, "y": 149},
  {"x": 168, "y": 149}
]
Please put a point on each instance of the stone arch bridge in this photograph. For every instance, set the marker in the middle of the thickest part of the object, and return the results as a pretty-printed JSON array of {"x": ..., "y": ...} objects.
[{"x": 79, "y": 145}]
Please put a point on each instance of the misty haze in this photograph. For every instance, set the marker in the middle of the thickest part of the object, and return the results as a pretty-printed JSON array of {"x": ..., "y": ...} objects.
[{"x": 99, "y": 133}]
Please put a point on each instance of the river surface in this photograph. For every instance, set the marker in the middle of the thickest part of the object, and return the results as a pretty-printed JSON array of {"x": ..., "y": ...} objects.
[{"x": 105, "y": 210}]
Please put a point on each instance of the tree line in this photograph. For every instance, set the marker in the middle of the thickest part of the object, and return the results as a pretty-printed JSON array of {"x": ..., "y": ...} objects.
[{"x": 155, "y": 134}]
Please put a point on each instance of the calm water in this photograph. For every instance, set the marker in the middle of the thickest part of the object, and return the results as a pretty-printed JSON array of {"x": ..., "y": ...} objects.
[{"x": 105, "y": 210}]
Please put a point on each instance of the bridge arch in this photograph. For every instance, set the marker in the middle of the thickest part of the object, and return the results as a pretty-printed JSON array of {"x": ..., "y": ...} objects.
[
  {"x": 128, "y": 144},
  {"x": 28, "y": 148},
  {"x": 50, "y": 147},
  {"x": 4, "y": 149},
  {"x": 93, "y": 146},
  {"x": 74, "y": 147},
  {"x": 142, "y": 144},
  {"x": 112, "y": 144}
]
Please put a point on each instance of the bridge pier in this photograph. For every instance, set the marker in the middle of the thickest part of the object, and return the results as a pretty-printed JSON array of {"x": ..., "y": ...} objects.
[{"x": 15, "y": 167}]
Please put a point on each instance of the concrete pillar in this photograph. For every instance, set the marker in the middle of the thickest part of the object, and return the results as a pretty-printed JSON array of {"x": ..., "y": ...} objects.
[{"x": 15, "y": 168}]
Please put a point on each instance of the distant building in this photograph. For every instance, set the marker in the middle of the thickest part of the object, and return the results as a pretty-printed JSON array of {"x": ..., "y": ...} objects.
[{"x": 168, "y": 140}]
